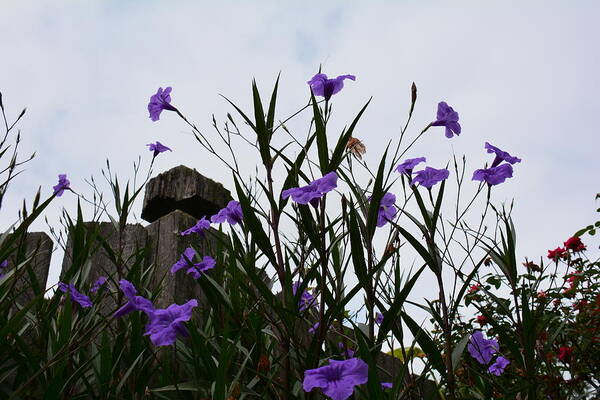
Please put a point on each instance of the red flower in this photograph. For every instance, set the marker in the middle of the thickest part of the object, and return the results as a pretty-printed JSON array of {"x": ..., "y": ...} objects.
[
  {"x": 564, "y": 353},
  {"x": 557, "y": 253},
  {"x": 541, "y": 294},
  {"x": 474, "y": 288},
  {"x": 482, "y": 320},
  {"x": 574, "y": 243}
]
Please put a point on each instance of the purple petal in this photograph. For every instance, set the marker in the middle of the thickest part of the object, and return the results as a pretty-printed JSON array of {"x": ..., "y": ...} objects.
[
  {"x": 127, "y": 288},
  {"x": 408, "y": 165},
  {"x": 495, "y": 175},
  {"x": 430, "y": 176},
  {"x": 338, "y": 379},
  {"x": 165, "y": 324}
]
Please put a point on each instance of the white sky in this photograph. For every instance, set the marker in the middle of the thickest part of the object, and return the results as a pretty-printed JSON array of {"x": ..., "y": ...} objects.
[{"x": 522, "y": 75}]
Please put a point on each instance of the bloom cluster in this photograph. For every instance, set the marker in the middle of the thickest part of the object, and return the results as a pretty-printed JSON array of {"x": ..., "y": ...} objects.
[
  {"x": 98, "y": 284},
  {"x": 338, "y": 379},
  {"x": 497, "y": 172},
  {"x": 427, "y": 177},
  {"x": 483, "y": 350},
  {"x": 159, "y": 102},
  {"x": 158, "y": 148},
  {"x": 387, "y": 211},
  {"x": 80, "y": 298},
  {"x": 312, "y": 192},
  {"x": 165, "y": 324},
  {"x": 573, "y": 243},
  {"x": 232, "y": 214},
  {"x": 194, "y": 269},
  {"x": 307, "y": 300},
  {"x": 324, "y": 87},
  {"x": 448, "y": 118},
  {"x": 62, "y": 185}
]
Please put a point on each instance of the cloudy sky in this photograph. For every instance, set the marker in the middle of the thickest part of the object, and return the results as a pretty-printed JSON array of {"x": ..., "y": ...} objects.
[{"x": 522, "y": 74}]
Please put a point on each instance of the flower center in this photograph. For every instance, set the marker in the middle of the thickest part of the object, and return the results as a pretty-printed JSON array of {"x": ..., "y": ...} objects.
[
  {"x": 328, "y": 87},
  {"x": 334, "y": 373}
]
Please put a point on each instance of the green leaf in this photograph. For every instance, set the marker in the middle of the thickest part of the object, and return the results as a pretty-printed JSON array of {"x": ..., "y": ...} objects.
[
  {"x": 426, "y": 343},
  {"x": 254, "y": 225},
  {"x": 183, "y": 386},
  {"x": 390, "y": 316},
  {"x": 211, "y": 287},
  {"x": 271, "y": 112},
  {"x": 438, "y": 205},
  {"x": 420, "y": 249},
  {"x": 294, "y": 169},
  {"x": 373, "y": 384},
  {"x": 422, "y": 208},
  {"x": 358, "y": 256},
  {"x": 458, "y": 350},
  {"x": 376, "y": 197},
  {"x": 262, "y": 134}
]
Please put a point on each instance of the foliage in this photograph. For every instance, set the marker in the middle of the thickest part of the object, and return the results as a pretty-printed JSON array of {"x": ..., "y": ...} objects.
[{"x": 276, "y": 303}]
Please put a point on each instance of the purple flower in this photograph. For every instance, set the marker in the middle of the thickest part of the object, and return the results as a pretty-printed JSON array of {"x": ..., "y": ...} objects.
[
  {"x": 80, "y": 298},
  {"x": 430, "y": 176},
  {"x": 321, "y": 86},
  {"x": 63, "y": 183},
  {"x": 165, "y": 324},
  {"x": 314, "y": 328},
  {"x": 134, "y": 303},
  {"x": 495, "y": 175},
  {"x": 346, "y": 351},
  {"x": 185, "y": 260},
  {"x": 306, "y": 300},
  {"x": 500, "y": 155},
  {"x": 498, "y": 367},
  {"x": 408, "y": 165},
  {"x": 387, "y": 211},
  {"x": 99, "y": 282},
  {"x": 202, "y": 225},
  {"x": 482, "y": 349},
  {"x": 3, "y": 266},
  {"x": 446, "y": 116},
  {"x": 160, "y": 101},
  {"x": 313, "y": 191},
  {"x": 379, "y": 318},
  {"x": 157, "y": 148},
  {"x": 232, "y": 214},
  {"x": 337, "y": 380},
  {"x": 386, "y": 385},
  {"x": 197, "y": 270}
]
